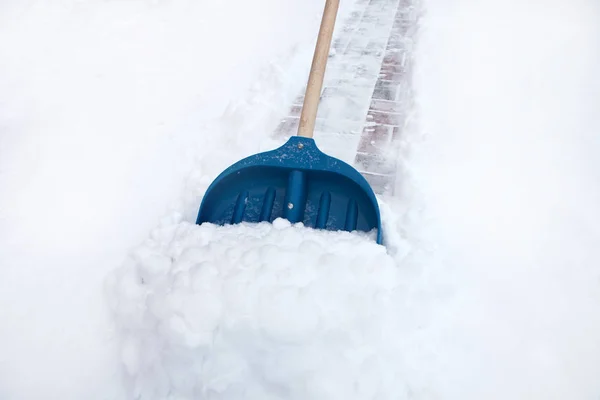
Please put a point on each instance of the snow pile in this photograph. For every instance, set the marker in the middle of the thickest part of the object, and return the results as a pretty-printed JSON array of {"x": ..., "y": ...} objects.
[{"x": 259, "y": 311}]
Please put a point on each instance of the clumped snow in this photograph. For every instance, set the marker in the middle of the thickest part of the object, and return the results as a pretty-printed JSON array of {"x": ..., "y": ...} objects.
[{"x": 259, "y": 311}]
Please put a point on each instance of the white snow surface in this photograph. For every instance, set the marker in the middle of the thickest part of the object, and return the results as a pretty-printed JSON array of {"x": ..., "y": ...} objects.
[
  {"x": 506, "y": 168},
  {"x": 259, "y": 311},
  {"x": 104, "y": 108},
  {"x": 490, "y": 284}
]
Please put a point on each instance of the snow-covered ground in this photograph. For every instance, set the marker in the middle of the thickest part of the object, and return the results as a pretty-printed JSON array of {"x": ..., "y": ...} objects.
[
  {"x": 104, "y": 107},
  {"x": 492, "y": 280},
  {"x": 508, "y": 172}
]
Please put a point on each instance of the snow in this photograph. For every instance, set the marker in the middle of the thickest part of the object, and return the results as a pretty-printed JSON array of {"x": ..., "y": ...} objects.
[
  {"x": 104, "y": 107},
  {"x": 258, "y": 311},
  {"x": 115, "y": 117},
  {"x": 503, "y": 176}
]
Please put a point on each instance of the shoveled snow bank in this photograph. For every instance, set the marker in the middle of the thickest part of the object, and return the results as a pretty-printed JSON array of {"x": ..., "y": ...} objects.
[{"x": 259, "y": 311}]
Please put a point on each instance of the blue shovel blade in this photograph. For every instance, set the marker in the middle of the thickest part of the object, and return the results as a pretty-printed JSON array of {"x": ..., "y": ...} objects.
[{"x": 297, "y": 182}]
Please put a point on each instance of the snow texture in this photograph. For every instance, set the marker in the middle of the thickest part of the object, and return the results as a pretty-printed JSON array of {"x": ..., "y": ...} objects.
[
  {"x": 502, "y": 180},
  {"x": 104, "y": 108},
  {"x": 259, "y": 311},
  {"x": 489, "y": 286}
]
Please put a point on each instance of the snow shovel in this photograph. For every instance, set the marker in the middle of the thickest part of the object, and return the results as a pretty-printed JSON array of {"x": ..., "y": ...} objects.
[{"x": 296, "y": 181}]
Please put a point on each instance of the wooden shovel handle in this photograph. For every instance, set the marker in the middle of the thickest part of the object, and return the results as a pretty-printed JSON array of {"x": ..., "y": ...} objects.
[{"x": 317, "y": 70}]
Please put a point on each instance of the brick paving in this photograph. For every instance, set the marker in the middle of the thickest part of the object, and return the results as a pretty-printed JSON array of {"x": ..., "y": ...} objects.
[{"x": 366, "y": 92}]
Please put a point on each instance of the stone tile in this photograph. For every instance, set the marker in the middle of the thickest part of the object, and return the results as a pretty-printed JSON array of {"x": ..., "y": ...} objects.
[
  {"x": 338, "y": 126},
  {"x": 383, "y": 118},
  {"x": 385, "y": 91},
  {"x": 392, "y": 69},
  {"x": 342, "y": 107},
  {"x": 374, "y": 163},
  {"x": 374, "y": 139},
  {"x": 386, "y": 106},
  {"x": 392, "y": 57}
]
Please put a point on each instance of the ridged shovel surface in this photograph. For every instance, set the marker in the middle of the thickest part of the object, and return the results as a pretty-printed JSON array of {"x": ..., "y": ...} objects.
[{"x": 297, "y": 182}]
